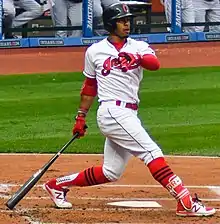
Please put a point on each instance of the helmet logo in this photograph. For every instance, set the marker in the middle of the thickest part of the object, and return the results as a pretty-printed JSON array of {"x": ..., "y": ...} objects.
[{"x": 125, "y": 8}]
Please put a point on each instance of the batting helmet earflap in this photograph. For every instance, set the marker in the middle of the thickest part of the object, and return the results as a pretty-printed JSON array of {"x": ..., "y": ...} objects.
[{"x": 114, "y": 12}]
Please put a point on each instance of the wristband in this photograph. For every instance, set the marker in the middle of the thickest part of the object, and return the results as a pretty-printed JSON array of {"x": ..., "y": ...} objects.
[{"x": 82, "y": 112}]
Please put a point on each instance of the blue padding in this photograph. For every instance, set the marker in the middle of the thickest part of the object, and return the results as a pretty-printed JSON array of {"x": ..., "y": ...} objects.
[
  {"x": 15, "y": 43},
  {"x": 82, "y": 41},
  {"x": 208, "y": 36}
]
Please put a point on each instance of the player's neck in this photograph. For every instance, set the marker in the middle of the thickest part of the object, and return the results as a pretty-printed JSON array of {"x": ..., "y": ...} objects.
[
  {"x": 116, "y": 39},
  {"x": 118, "y": 43}
]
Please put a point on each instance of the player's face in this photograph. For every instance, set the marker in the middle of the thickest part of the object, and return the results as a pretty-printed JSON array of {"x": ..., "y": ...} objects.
[{"x": 123, "y": 27}]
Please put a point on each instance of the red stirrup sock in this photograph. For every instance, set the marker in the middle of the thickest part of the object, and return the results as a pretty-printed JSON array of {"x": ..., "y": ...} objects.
[
  {"x": 162, "y": 173},
  {"x": 88, "y": 177}
]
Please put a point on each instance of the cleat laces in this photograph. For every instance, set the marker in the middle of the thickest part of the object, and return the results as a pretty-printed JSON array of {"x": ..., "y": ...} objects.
[
  {"x": 65, "y": 191},
  {"x": 197, "y": 200}
]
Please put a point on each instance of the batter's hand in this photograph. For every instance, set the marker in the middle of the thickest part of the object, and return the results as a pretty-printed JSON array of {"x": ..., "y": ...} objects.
[
  {"x": 129, "y": 61},
  {"x": 80, "y": 126}
]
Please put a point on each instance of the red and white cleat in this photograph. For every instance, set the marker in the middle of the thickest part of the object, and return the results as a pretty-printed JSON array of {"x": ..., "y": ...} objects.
[
  {"x": 198, "y": 209},
  {"x": 57, "y": 194}
]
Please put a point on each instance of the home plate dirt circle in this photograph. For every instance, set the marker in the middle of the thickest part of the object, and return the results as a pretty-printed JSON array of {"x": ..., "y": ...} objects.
[{"x": 136, "y": 204}]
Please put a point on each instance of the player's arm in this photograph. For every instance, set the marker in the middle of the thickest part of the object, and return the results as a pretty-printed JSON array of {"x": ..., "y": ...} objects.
[
  {"x": 146, "y": 61},
  {"x": 88, "y": 94},
  {"x": 146, "y": 58},
  {"x": 149, "y": 62}
]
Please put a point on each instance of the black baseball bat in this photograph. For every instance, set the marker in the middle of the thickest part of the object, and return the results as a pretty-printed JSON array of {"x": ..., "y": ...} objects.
[{"x": 22, "y": 191}]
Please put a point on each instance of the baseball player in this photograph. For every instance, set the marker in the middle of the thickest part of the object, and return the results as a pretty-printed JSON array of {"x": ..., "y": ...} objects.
[
  {"x": 113, "y": 71},
  {"x": 8, "y": 17},
  {"x": 209, "y": 9},
  {"x": 32, "y": 9},
  {"x": 187, "y": 13},
  {"x": 64, "y": 10},
  {"x": 98, "y": 6}
]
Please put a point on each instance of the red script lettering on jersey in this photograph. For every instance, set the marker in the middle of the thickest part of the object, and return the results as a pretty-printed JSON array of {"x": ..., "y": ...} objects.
[{"x": 111, "y": 63}]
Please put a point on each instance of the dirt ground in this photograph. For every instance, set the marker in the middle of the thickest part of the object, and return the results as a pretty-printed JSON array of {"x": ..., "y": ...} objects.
[
  {"x": 91, "y": 204},
  {"x": 71, "y": 59}
]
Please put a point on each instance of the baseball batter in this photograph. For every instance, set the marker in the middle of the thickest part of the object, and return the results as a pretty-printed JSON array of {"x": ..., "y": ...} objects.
[
  {"x": 114, "y": 70},
  {"x": 209, "y": 9},
  {"x": 188, "y": 15}
]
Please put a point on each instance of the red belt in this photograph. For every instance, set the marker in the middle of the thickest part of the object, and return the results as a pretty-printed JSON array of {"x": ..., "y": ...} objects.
[{"x": 132, "y": 106}]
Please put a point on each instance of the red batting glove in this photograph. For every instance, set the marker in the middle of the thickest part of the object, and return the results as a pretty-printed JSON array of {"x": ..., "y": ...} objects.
[
  {"x": 80, "y": 126},
  {"x": 129, "y": 61}
]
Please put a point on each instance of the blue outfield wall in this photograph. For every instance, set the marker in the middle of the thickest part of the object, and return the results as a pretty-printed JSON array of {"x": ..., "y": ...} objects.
[{"x": 76, "y": 41}]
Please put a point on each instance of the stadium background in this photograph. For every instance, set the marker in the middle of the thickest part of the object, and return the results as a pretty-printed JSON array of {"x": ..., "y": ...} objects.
[{"x": 39, "y": 93}]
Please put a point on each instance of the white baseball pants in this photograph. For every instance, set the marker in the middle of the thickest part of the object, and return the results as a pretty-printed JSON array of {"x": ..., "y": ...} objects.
[
  {"x": 125, "y": 137},
  {"x": 188, "y": 15},
  {"x": 61, "y": 11},
  {"x": 209, "y": 10},
  {"x": 32, "y": 9}
]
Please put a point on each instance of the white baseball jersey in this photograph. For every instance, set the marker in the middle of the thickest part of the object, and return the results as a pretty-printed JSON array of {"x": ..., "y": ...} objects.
[
  {"x": 124, "y": 133},
  {"x": 101, "y": 62}
]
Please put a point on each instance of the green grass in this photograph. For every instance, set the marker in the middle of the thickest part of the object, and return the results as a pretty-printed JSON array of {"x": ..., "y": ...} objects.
[{"x": 180, "y": 108}]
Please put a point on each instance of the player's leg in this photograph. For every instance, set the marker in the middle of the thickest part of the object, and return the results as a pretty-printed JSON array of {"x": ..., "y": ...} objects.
[
  {"x": 97, "y": 18},
  {"x": 214, "y": 16},
  {"x": 32, "y": 11},
  {"x": 106, "y": 3},
  {"x": 9, "y": 15},
  {"x": 168, "y": 13},
  {"x": 131, "y": 135},
  {"x": 200, "y": 14},
  {"x": 75, "y": 16},
  {"x": 97, "y": 9},
  {"x": 59, "y": 16},
  {"x": 188, "y": 16},
  {"x": 115, "y": 160}
]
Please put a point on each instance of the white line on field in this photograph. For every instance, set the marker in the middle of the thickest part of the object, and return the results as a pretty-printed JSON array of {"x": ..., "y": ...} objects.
[
  {"x": 5, "y": 185},
  {"x": 107, "y": 198},
  {"x": 216, "y": 190},
  {"x": 68, "y": 154}
]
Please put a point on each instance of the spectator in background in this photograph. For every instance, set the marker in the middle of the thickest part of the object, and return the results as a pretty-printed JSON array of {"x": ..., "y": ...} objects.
[
  {"x": 209, "y": 9},
  {"x": 188, "y": 15},
  {"x": 32, "y": 10},
  {"x": 8, "y": 17},
  {"x": 98, "y": 6},
  {"x": 64, "y": 12}
]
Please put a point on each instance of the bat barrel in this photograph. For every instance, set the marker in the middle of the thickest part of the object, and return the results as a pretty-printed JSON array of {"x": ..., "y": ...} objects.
[{"x": 13, "y": 201}]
